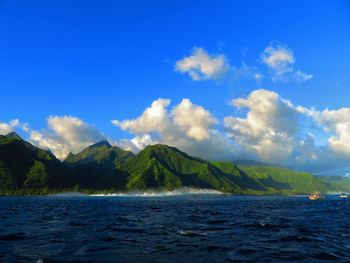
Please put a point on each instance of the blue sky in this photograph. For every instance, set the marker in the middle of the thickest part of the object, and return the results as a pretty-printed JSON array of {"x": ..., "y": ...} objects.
[{"x": 107, "y": 60}]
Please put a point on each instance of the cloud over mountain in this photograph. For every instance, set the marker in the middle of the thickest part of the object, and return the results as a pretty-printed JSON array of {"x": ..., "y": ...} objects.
[
  {"x": 65, "y": 134},
  {"x": 264, "y": 127},
  {"x": 334, "y": 122},
  {"x": 154, "y": 118},
  {"x": 187, "y": 126},
  {"x": 269, "y": 129},
  {"x": 7, "y": 127},
  {"x": 186, "y": 118}
]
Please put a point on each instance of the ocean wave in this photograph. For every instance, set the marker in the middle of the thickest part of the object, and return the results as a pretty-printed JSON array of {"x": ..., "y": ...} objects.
[{"x": 175, "y": 192}]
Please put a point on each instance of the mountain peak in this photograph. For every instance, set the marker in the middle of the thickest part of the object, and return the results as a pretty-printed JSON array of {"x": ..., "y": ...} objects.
[
  {"x": 100, "y": 144},
  {"x": 13, "y": 135},
  {"x": 70, "y": 155},
  {"x": 155, "y": 147},
  {"x": 162, "y": 151}
]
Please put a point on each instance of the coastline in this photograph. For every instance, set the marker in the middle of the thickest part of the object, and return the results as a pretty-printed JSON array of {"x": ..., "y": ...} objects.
[{"x": 148, "y": 192}]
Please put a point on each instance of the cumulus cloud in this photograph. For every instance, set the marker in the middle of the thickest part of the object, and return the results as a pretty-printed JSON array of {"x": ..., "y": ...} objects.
[
  {"x": 65, "y": 134},
  {"x": 269, "y": 129},
  {"x": 265, "y": 127},
  {"x": 335, "y": 122},
  {"x": 7, "y": 127},
  {"x": 187, "y": 126},
  {"x": 194, "y": 120},
  {"x": 154, "y": 118},
  {"x": 201, "y": 66},
  {"x": 280, "y": 60},
  {"x": 137, "y": 143},
  {"x": 273, "y": 130}
]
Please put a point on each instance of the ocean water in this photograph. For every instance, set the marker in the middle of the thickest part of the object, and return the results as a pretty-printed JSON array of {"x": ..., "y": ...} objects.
[{"x": 174, "y": 228}]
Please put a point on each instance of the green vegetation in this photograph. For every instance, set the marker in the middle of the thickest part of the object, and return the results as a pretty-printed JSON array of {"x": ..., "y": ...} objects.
[
  {"x": 103, "y": 168},
  {"x": 6, "y": 179},
  {"x": 285, "y": 180},
  {"x": 98, "y": 166},
  {"x": 164, "y": 166},
  {"x": 100, "y": 152},
  {"x": 24, "y": 167},
  {"x": 36, "y": 177},
  {"x": 239, "y": 177},
  {"x": 336, "y": 183}
]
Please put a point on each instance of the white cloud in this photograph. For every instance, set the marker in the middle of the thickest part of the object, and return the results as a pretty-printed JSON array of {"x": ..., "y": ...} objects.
[
  {"x": 265, "y": 127},
  {"x": 280, "y": 60},
  {"x": 187, "y": 126},
  {"x": 308, "y": 151},
  {"x": 273, "y": 131},
  {"x": 7, "y": 127},
  {"x": 269, "y": 129},
  {"x": 201, "y": 65},
  {"x": 141, "y": 142},
  {"x": 65, "y": 134},
  {"x": 335, "y": 122},
  {"x": 154, "y": 118},
  {"x": 194, "y": 120},
  {"x": 137, "y": 143},
  {"x": 301, "y": 76},
  {"x": 25, "y": 127},
  {"x": 50, "y": 142}
]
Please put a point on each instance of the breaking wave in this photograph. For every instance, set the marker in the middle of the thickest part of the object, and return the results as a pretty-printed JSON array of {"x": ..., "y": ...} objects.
[{"x": 175, "y": 192}]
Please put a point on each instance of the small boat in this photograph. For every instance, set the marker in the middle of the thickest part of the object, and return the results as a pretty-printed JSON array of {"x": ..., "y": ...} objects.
[
  {"x": 343, "y": 195},
  {"x": 316, "y": 196}
]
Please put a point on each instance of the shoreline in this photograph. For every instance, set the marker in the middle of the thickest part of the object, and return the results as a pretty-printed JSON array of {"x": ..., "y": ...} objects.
[{"x": 149, "y": 193}]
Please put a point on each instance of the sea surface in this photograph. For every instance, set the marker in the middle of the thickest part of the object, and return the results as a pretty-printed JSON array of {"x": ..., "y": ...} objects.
[{"x": 175, "y": 228}]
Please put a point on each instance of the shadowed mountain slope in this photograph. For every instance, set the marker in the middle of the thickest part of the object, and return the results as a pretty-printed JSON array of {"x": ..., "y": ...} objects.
[
  {"x": 23, "y": 165},
  {"x": 97, "y": 166},
  {"x": 102, "y": 166}
]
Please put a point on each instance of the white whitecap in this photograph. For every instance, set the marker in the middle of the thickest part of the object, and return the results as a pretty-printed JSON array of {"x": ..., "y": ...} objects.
[{"x": 175, "y": 192}]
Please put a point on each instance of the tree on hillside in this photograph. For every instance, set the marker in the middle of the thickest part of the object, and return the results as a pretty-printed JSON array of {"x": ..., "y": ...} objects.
[
  {"x": 6, "y": 181},
  {"x": 36, "y": 177}
]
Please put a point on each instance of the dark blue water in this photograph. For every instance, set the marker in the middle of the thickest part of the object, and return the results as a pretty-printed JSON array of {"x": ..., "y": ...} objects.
[{"x": 189, "y": 228}]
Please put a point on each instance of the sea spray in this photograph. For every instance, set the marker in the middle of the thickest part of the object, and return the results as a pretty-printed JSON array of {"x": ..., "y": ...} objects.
[{"x": 159, "y": 193}]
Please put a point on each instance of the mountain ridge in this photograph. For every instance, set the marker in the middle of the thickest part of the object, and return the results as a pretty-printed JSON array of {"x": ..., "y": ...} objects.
[
  {"x": 28, "y": 168},
  {"x": 102, "y": 166}
]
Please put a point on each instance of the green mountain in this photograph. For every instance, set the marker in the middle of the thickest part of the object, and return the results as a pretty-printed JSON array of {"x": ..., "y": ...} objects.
[
  {"x": 240, "y": 178},
  {"x": 243, "y": 162},
  {"x": 336, "y": 183},
  {"x": 285, "y": 180},
  {"x": 161, "y": 166},
  {"x": 98, "y": 165},
  {"x": 26, "y": 168}
]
